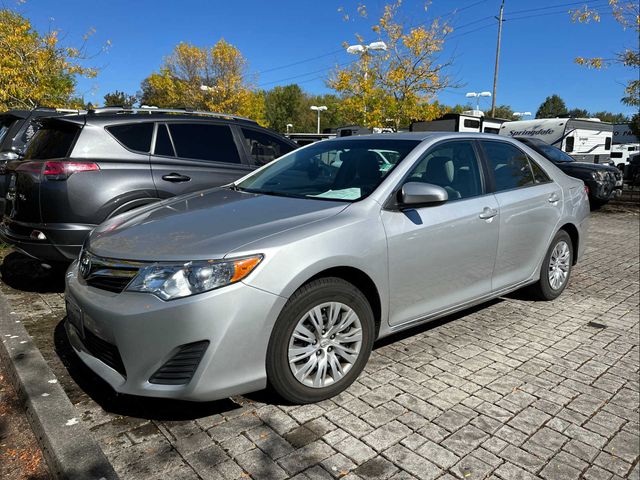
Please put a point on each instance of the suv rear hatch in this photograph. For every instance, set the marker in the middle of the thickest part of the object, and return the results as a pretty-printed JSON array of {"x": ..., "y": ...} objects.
[{"x": 46, "y": 159}]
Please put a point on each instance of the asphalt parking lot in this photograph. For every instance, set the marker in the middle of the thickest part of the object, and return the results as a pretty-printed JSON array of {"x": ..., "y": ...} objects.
[{"x": 513, "y": 389}]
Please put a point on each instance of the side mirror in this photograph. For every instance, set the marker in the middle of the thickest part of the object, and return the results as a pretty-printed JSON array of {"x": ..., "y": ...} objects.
[{"x": 416, "y": 194}]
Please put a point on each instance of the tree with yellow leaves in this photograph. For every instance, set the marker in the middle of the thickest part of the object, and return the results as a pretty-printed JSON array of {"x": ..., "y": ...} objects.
[
  {"x": 204, "y": 78},
  {"x": 627, "y": 14},
  {"x": 35, "y": 70},
  {"x": 395, "y": 85}
]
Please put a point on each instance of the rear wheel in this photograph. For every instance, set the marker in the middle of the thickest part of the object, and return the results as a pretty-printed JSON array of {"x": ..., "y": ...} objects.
[
  {"x": 556, "y": 268},
  {"x": 320, "y": 342}
]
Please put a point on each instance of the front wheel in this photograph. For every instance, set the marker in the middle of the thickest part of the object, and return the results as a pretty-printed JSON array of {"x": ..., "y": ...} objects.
[
  {"x": 556, "y": 268},
  {"x": 320, "y": 342}
]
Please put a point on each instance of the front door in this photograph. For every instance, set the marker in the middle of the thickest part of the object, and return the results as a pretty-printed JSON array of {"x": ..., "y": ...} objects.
[{"x": 442, "y": 256}]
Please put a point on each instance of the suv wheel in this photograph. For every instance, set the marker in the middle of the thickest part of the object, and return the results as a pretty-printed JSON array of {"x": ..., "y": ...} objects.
[
  {"x": 321, "y": 341},
  {"x": 556, "y": 268}
]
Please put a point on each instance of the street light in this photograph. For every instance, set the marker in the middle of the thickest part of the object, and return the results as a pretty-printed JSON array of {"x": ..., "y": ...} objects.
[
  {"x": 477, "y": 95},
  {"x": 319, "y": 109},
  {"x": 289, "y": 125},
  {"x": 360, "y": 50},
  {"x": 521, "y": 114}
]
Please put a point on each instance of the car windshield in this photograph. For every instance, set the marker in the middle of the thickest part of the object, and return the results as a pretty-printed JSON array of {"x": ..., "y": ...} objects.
[
  {"x": 347, "y": 170},
  {"x": 549, "y": 151}
]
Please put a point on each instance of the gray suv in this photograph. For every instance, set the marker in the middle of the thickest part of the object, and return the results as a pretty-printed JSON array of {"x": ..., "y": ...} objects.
[{"x": 81, "y": 170}]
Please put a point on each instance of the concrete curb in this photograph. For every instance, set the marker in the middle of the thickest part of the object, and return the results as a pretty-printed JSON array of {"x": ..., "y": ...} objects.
[{"x": 68, "y": 447}]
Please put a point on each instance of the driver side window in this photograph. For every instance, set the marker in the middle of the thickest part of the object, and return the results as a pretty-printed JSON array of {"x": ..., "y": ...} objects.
[{"x": 452, "y": 166}]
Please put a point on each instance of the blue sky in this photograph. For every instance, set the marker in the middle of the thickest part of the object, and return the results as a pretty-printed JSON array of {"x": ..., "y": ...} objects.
[{"x": 539, "y": 43}]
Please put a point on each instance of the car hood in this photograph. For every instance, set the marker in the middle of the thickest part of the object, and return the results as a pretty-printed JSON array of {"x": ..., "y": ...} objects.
[{"x": 204, "y": 225}]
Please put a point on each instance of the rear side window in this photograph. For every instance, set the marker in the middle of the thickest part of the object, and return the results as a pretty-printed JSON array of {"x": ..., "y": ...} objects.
[
  {"x": 263, "y": 147},
  {"x": 204, "y": 141},
  {"x": 5, "y": 125},
  {"x": 52, "y": 142},
  {"x": 29, "y": 132},
  {"x": 539, "y": 174},
  {"x": 510, "y": 166},
  {"x": 134, "y": 136}
]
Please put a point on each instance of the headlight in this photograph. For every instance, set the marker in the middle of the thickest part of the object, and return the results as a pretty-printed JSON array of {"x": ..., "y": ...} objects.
[
  {"x": 170, "y": 281},
  {"x": 597, "y": 175}
]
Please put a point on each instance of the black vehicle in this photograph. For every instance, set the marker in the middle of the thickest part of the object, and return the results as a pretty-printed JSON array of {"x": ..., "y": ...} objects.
[
  {"x": 632, "y": 170},
  {"x": 81, "y": 170},
  {"x": 604, "y": 181}
]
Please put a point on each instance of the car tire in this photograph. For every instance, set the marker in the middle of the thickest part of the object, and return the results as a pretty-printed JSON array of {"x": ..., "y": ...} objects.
[
  {"x": 559, "y": 256},
  {"x": 287, "y": 352}
]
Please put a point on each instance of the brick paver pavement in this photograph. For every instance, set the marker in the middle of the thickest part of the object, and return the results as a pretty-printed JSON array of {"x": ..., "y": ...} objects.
[{"x": 513, "y": 389}]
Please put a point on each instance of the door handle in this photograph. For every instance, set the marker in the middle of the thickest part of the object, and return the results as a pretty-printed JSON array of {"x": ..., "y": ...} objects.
[
  {"x": 488, "y": 213},
  {"x": 553, "y": 198},
  {"x": 175, "y": 177}
]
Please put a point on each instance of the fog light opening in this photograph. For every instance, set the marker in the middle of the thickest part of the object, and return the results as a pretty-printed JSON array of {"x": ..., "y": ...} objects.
[{"x": 37, "y": 235}]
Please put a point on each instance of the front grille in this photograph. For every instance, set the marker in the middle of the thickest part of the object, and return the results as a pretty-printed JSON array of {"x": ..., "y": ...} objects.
[
  {"x": 179, "y": 369},
  {"x": 107, "y": 274},
  {"x": 104, "y": 351}
]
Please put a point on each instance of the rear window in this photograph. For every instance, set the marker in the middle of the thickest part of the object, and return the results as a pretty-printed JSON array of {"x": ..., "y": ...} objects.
[
  {"x": 134, "y": 136},
  {"x": 204, "y": 141},
  {"x": 52, "y": 142}
]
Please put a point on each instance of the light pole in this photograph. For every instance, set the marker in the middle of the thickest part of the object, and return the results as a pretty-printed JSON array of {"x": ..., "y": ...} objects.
[
  {"x": 521, "y": 114},
  {"x": 289, "y": 125},
  {"x": 477, "y": 96},
  {"x": 362, "y": 50},
  {"x": 319, "y": 109}
]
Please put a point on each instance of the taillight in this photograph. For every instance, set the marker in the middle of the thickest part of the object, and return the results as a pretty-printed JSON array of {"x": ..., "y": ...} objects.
[
  {"x": 57, "y": 169},
  {"x": 586, "y": 189}
]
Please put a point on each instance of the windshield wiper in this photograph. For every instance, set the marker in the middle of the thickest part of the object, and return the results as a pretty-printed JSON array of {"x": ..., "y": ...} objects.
[{"x": 271, "y": 192}]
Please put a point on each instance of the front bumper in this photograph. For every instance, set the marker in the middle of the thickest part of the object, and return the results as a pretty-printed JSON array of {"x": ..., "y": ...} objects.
[
  {"x": 236, "y": 321},
  {"x": 63, "y": 242}
]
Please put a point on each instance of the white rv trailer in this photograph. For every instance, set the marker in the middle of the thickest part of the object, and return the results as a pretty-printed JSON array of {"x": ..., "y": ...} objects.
[
  {"x": 625, "y": 144},
  {"x": 586, "y": 140},
  {"x": 469, "y": 121}
]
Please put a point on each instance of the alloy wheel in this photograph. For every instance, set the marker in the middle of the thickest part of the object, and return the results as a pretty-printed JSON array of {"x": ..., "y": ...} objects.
[
  {"x": 325, "y": 344},
  {"x": 559, "y": 265}
]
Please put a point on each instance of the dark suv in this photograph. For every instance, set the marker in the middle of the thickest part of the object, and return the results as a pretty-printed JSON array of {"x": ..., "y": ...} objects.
[
  {"x": 81, "y": 170},
  {"x": 604, "y": 181}
]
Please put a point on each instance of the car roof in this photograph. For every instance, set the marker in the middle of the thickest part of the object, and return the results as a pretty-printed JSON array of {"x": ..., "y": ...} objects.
[
  {"x": 421, "y": 136},
  {"x": 126, "y": 117}
]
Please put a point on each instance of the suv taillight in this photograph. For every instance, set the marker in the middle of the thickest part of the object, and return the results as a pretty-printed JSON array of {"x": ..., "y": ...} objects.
[{"x": 58, "y": 169}]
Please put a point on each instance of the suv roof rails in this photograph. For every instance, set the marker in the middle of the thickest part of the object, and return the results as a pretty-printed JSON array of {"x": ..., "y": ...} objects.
[
  {"x": 60, "y": 110},
  {"x": 150, "y": 109}
]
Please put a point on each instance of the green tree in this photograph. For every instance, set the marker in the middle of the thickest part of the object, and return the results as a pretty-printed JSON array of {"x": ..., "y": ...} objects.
[
  {"x": 578, "y": 113},
  {"x": 611, "y": 117},
  {"x": 35, "y": 69},
  {"x": 284, "y": 105},
  {"x": 553, "y": 106},
  {"x": 119, "y": 99},
  {"x": 627, "y": 14},
  {"x": 505, "y": 112}
]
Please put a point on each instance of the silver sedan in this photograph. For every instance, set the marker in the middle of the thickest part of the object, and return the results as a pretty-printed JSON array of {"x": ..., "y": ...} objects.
[{"x": 288, "y": 276}]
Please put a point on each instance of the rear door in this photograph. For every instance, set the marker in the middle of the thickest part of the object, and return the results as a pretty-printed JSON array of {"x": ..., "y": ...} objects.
[
  {"x": 191, "y": 156},
  {"x": 530, "y": 207}
]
